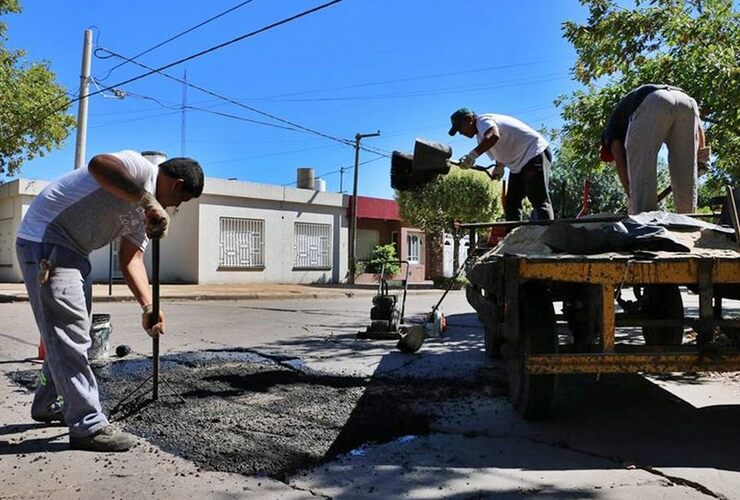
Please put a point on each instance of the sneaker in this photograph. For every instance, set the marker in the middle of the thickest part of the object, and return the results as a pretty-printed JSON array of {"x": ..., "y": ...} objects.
[
  {"x": 106, "y": 439},
  {"x": 52, "y": 414},
  {"x": 51, "y": 418}
]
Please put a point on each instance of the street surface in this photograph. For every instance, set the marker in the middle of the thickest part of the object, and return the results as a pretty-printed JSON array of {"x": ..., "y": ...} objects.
[{"x": 621, "y": 437}]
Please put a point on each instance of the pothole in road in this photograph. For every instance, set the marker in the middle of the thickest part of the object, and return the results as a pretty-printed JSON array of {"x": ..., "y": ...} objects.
[{"x": 250, "y": 414}]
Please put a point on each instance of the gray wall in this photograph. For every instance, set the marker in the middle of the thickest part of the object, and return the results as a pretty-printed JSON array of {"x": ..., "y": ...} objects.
[
  {"x": 190, "y": 253},
  {"x": 280, "y": 208}
]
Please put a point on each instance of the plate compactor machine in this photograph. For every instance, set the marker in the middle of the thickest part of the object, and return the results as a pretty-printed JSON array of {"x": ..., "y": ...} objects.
[{"x": 386, "y": 319}]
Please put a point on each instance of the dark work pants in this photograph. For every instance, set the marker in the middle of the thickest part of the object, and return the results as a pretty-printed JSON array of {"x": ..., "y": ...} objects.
[{"x": 532, "y": 182}]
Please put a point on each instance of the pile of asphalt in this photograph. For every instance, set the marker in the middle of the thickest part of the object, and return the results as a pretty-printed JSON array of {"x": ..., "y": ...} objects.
[{"x": 253, "y": 415}]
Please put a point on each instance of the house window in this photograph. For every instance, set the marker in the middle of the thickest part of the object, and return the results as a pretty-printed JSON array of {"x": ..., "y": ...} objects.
[
  {"x": 413, "y": 243},
  {"x": 312, "y": 246},
  {"x": 241, "y": 243},
  {"x": 367, "y": 239}
]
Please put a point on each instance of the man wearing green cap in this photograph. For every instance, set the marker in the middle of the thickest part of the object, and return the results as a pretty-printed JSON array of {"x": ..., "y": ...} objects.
[{"x": 517, "y": 146}]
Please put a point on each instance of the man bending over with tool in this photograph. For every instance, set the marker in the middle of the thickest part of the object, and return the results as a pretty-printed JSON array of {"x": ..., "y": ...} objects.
[
  {"x": 117, "y": 195},
  {"x": 642, "y": 121},
  {"x": 513, "y": 144}
]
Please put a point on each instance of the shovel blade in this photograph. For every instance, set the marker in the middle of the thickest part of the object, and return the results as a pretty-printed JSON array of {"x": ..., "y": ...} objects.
[
  {"x": 431, "y": 157},
  {"x": 412, "y": 340}
]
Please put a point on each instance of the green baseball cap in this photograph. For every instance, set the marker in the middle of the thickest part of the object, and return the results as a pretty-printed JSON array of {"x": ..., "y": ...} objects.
[{"x": 457, "y": 118}]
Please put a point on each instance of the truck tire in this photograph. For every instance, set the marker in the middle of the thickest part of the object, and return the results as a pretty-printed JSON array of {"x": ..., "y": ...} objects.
[
  {"x": 492, "y": 344},
  {"x": 662, "y": 302},
  {"x": 533, "y": 395}
]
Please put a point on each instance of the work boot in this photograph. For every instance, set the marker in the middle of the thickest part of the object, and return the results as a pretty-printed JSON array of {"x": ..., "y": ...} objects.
[
  {"x": 51, "y": 415},
  {"x": 106, "y": 439},
  {"x": 51, "y": 418}
]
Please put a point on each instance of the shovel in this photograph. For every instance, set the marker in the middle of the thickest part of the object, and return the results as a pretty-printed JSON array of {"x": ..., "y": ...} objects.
[
  {"x": 435, "y": 157},
  {"x": 414, "y": 338}
]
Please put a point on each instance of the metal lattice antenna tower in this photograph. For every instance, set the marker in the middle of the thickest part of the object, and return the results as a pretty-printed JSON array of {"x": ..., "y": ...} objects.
[{"x": 184, "y": 107}]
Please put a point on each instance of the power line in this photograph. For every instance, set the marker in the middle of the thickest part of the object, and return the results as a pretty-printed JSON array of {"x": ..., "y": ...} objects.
[
  {"x": 205, "y": 110},
  {"x": 434, "y": 92},
  {"x": 341, "y": 169},
  {"x": 182, "y": 33},
  {"x": 178, "y": 108},
  {"x": 185, "y": 59},
  {"x": 268, "y": 155},
  {"x": 251, "y": 108},
  {"x": 221, "y": 45},
  {"x": 413, "y": 78}
]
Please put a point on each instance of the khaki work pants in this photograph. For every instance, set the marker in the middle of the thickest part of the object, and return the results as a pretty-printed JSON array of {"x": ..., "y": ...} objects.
[{"x": 670, "y": 117}]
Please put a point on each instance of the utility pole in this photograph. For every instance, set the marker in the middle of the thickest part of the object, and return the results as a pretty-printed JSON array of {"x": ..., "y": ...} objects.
[
  {"x": 81, "y": 142},
  {"x": 353, "y": 226},
  {"x": 341, "y": 179}
]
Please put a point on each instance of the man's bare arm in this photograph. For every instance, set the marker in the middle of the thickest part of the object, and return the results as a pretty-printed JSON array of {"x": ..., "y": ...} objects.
[
  {"x": 112, "y": 176},
  {"x": 620, "y": 161},
  {"x": 134, "y": 271},
  {"x": 490, "y": 138}
]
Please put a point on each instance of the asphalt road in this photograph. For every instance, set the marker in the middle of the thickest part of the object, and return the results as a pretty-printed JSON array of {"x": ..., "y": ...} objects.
[{"x": 613, "y": 436}]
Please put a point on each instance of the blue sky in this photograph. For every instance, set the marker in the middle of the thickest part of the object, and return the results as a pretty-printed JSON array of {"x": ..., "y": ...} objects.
[{"x": 400, "y": 67}]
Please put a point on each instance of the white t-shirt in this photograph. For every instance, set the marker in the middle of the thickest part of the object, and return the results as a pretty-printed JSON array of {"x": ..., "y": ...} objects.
[
  {"x": 517, "y": 144},
  {"x": 76, "y": 213}
]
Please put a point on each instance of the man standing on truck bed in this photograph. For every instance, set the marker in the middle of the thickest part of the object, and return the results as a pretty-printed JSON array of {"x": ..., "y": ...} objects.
[
  {"x": 642, "y": 121},
  {"x": 514, "y": 144}
]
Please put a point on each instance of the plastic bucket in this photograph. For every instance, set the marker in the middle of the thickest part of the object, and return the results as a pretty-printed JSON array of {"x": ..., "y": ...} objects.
[{"x": 100, "y": 331}]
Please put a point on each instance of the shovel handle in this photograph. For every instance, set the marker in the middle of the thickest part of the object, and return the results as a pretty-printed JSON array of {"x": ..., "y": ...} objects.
[
  {"x": 487, "y": 170},
  {"x": 155, "y": 318}
]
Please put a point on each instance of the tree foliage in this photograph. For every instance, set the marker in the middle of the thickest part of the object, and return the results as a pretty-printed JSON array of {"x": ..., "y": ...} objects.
[
  {"x": 28, "y": 128},
  {"x": 456, "y": 197},
  {"x": 460, "y": 196},
  {"x": 692, "y": 44},
  {"x": 605, "y": 192}
]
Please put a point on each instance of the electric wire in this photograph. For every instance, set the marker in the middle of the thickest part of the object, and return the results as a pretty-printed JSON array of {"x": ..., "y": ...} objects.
[
  {"x": 179, "y": 108},
  {"x": 341, "y": 169},
  {"x": 230, "y": 100},
  {"x": 313, "y": 10},
  {"x": 172, "y": 38},
  {"x": 415, "y": 78},
  {"x": 433, "y": 92}
]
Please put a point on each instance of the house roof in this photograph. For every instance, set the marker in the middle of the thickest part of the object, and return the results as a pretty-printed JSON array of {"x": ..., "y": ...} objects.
[{"x": 377, "y": 208}]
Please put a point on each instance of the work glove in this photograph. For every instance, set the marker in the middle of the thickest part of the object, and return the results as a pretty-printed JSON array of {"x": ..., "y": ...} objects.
[
  {"x": 468, "y": 160},
  {"x": 157, "y": 218},
  {"x": 498, "y": 172},
  {"x": 146, "y": 321}
]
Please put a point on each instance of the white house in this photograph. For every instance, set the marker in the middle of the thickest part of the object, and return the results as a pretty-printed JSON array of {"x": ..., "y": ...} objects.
[
  {"x": 236, "y": 232},
  {"x": 15, "y": 197}
]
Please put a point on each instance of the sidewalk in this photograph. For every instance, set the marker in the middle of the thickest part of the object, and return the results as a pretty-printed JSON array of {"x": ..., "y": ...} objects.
[{"x": 16, "y": 292}]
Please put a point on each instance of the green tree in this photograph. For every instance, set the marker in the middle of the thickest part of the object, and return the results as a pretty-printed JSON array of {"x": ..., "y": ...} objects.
[
  {"x": 693, "y": 44},
  {"x": 460, "y": 196},
  {"x": 29, "y": 126}
]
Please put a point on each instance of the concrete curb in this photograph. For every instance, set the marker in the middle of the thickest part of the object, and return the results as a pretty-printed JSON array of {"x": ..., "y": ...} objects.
[{"x": 5, "y": 298}]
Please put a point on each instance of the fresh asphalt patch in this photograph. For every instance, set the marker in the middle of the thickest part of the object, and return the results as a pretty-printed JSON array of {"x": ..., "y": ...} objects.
[{"x": 255, "y": 415}]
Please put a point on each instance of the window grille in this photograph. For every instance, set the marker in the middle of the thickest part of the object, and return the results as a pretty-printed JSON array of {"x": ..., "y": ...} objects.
[
  {"x": 312, "y": 246},
  {"x": 241, "y": 243}
]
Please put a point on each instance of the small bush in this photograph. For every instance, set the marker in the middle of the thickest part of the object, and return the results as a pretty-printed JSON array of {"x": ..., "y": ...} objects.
[
  {"x": 379, "y": 255},
  {"x": 444, "y": 282}
]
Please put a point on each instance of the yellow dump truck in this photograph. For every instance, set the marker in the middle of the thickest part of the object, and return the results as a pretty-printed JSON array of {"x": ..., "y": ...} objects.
[{"x": 604, "y": 285}]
